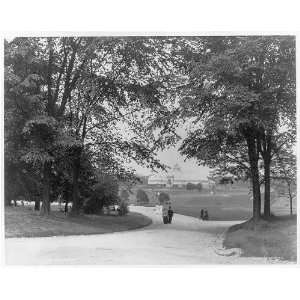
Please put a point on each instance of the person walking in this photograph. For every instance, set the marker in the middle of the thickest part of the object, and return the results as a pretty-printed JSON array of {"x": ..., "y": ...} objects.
[
  {"x": 202, "y": 214},
  {"x": 170, "y": 214},
  {"x": 165, "y": 215},
  {"x": 205, "y": 217}
]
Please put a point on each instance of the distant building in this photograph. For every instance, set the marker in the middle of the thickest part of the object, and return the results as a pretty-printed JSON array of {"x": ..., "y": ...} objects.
[
  {"x": 221, "y": 178},
  {"x": 174, "y": 178}
]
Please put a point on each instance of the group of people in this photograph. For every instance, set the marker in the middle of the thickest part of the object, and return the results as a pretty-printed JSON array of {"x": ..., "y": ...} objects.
[
  {"x": 167, "y": 214},
  {"x": 204, "y": 215}
]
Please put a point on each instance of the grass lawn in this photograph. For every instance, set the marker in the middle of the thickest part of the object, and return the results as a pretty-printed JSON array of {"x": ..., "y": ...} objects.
[
  {"x": 23, "y": 222},
  {"x": 275, "y": 238},
  {"x": 225, "y": 205}
]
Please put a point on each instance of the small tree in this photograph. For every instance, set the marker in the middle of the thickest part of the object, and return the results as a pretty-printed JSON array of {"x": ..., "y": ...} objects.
[
  {"x": 199, "y": 186},
  {"x": 284, "y": 168},
  {"x": 123, "y": 210},
  {"x": 105, "y": 193},
  {"x": 141, "y": 196},
  {"x": 124, "y": 195},
  {"x": 163, "y": 197}
]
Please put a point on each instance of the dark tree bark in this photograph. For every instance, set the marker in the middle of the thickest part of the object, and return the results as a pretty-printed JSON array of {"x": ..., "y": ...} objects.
[
  {"x": 75, "y": 187},
  {"x": 37, "y": 203},
  {"x": 267, "y": 199},
  {"x": 45, "y": 210},
  {"x": 265, "y": 150},
  {"x": 66, "y": 205},
  {"x": 290, "y": 197},
  {"x": 253, "y": 159}
]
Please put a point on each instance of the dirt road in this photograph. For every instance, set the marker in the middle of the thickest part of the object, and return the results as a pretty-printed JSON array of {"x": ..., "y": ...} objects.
[{"x": 186, "y": 241}]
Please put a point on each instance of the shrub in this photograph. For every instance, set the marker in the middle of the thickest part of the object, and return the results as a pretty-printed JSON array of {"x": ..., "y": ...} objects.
[
  {"x": 105, "y": 193},
  {"x": 124, "y": 195},
  {"x": 199, "y": 187},
  {"x": 123, "y": 210},
  {"x": 190, "y": 186},
  {"x": 163, "y": 197},
  {"x": 141, "y": 196}
]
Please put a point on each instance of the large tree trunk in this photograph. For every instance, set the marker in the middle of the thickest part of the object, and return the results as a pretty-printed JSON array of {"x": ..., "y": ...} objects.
[
  {"x": 291, "y": 198},
  {"x": 45, "y": 210},
  {"x": 75, "y": 188},
  {"x": 253, "y": 159},
  {"x": 37, "y": 203},
  {"x": 66, "y": 205},
  {"x": 267, "y": 200}
]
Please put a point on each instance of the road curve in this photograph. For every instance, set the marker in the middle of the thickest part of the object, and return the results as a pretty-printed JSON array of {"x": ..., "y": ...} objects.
[{"x": 186, "y": 241}]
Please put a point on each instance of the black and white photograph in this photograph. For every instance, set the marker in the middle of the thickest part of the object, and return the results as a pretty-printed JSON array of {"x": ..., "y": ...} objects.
[{"x": 150, "y": 149}]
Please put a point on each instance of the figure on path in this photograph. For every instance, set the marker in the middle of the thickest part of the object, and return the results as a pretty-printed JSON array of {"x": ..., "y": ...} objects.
[
  {"x": 170, "y": 214},
  {"x": 165, "y": 215},
  {"x": 205, "y": 217},
  {"x": 202, "y": 214}
]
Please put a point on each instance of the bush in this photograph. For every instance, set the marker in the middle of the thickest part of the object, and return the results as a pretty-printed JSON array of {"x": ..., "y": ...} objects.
[
  {"x": 141, "y": 196},
  {"x": 190, "y": 186},
  {"x": 124, "y": 195},
  {"x": 199, "y": 187},
  {"x": 105, "y": 193},
  {"x": 123, "y": 210},
  {"x": 163, "y": 197}
]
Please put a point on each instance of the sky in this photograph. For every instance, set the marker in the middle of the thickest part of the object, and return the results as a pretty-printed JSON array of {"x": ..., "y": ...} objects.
[{"x": 171, "y": 157}]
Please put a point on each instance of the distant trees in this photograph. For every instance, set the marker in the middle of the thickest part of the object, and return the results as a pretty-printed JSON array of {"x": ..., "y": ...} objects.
[
  {"x": 192, "y": 186},
  {"x": 163, "y": 197},
  {"x": 284, "y": 169},
  {"x": 124, "y": 195},
  {"x": 142, "y": 197},
  {"x": 104, "y": 193}
]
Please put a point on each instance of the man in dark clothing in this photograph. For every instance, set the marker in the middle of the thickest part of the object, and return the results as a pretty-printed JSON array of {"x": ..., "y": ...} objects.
[
  {"x": 205, "y": 217},
  {"x": 170, "y": 214},
  {"x": 202, "y": 214}
]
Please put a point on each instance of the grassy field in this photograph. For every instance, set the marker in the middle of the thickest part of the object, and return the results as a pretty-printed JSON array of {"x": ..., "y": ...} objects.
[
  {"x": 275, "y": 238},
  {"x": 227, "y": 205},
  {"x": 24, "y": 222}
]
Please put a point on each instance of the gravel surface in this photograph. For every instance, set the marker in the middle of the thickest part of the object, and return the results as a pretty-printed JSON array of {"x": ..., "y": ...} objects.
[{"x": 186, "y": 241}]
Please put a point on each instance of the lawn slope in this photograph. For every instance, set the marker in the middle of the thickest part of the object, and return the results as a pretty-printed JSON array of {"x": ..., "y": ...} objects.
[
  {"x": 276, "y": 237},
  {"x": 23, "y": 222}
]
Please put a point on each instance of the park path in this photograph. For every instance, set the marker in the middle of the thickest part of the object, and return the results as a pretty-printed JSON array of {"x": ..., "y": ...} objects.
[{"x": 186, "y": 241}]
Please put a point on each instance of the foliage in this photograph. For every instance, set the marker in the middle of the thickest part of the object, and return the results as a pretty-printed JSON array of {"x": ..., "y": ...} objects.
[
  {"x": 238, "y": 94},
  {"x": 68, "y": 101},
  {"x": 124, "y": 195},
  {"x": 163, "y": 197},
  {"x": 199, "y": 186},
  {"x": 104, "y": 193},
  {"x": 192, "y": 186},
  {"x": 141, "y": 197},
  {"x": 123, "y": 208}
]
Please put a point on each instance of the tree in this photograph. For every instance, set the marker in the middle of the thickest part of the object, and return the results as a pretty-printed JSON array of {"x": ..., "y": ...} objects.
[
  {"x": 238, "y": 89},
  {"x": 284, "y": 168},
  {"x": 142, "y": 197},
  {"x": 82, "y": 88},
  {"x": 105, "y": 193},
  {"x": 163, "y": 197},
  {"x": 124, "y": 195}
]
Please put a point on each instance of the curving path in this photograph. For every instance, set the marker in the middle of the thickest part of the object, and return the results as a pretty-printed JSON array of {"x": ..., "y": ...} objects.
[{"x": 186, "y": 241}]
